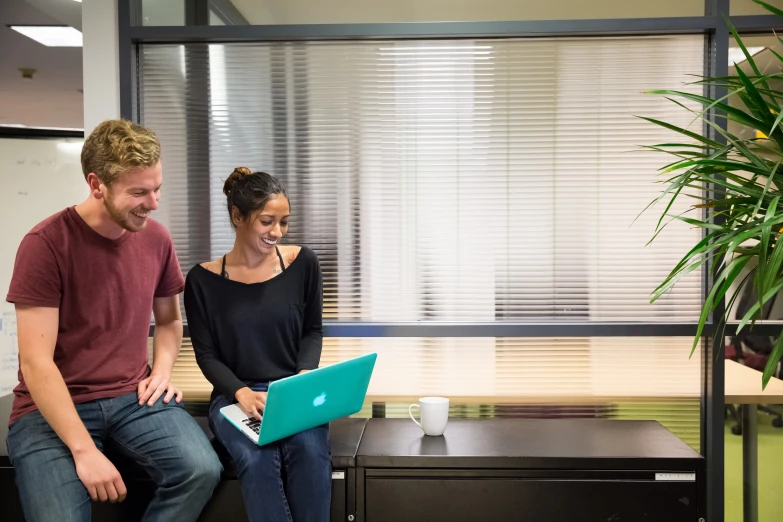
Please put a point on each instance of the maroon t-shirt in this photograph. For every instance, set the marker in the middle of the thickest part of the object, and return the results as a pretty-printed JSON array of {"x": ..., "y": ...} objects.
[{"x": 104, "y": 290}]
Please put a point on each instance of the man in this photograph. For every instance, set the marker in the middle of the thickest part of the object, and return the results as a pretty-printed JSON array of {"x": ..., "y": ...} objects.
[{"x": 84, "y": 283}]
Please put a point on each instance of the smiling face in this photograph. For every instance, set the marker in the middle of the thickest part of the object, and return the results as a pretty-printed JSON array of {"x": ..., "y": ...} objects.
[
  {"x": 131, "y": 198},
  {"x": 264, "y": 229}
]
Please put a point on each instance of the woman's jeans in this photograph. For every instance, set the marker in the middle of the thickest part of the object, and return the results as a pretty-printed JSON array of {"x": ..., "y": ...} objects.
[{"x": 284, "y": 481}]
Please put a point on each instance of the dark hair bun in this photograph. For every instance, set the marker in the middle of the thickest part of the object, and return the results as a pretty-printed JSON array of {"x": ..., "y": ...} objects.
[
  {"x": 247, "y": 192},
  {"x": 238, "y": 174}
]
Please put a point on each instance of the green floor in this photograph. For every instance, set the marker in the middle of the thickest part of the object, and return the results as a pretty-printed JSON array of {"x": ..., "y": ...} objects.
[{"x": 770, "y": 473}]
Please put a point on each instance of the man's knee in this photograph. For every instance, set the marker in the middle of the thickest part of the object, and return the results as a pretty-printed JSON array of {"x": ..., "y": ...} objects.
[
  {"x": 200, "y": 469},
  {"x": 207, "y": 469}
]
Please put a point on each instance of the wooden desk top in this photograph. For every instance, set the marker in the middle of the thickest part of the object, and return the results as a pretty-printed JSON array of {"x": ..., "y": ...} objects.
[{"x": 743, "y": 386}]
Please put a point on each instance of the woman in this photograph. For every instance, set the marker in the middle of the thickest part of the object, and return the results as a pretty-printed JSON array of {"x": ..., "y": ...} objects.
[{"x": 254, "y": 317}]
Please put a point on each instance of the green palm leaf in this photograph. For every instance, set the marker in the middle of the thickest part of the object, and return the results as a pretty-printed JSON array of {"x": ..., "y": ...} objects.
[{"x": 739, "y": 185}]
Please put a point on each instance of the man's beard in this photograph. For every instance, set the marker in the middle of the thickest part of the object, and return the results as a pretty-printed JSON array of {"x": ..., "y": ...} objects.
[{"x": 119, "y": 218}]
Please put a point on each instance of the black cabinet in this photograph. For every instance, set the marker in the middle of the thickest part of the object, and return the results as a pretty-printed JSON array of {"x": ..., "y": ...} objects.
[
  {"x": 386, "y": 470},
  {"x": 446, "y": 498},
  {"x": 508, "y": 469}
]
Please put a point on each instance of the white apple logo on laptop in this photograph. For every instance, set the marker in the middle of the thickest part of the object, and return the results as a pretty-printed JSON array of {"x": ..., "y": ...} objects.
[{"x": 320, "y": 400}]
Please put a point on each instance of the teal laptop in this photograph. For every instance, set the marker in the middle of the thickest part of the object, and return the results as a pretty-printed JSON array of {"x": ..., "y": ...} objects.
[{"x": 307, "y": 400}]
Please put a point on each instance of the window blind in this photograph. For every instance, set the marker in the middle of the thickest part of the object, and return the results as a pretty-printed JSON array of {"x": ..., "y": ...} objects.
[{"x": 481, "y": 180}]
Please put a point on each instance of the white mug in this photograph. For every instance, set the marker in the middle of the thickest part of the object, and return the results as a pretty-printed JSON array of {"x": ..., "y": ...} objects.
[{"x": 434, "y": 413}]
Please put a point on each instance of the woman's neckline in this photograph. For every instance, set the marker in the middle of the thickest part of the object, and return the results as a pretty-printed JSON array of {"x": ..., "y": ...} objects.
[{"x": 273, "y": 278}]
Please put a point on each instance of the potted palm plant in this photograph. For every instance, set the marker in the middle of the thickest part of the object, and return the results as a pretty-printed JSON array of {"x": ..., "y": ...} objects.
[{"x": 743, "y": 223}]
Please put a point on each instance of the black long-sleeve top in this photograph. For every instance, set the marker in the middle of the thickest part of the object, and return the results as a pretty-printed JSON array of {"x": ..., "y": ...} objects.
[{"x": 258, "y": 332}]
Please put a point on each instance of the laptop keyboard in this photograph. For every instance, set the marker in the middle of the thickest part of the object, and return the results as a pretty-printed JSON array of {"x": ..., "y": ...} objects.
[{"x": 253, "y": 424}]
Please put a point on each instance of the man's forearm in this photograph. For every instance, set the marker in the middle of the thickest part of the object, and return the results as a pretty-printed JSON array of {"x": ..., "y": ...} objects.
[
  {"x": 51, "y": 396},
  {"x": 165, "y": 347}
]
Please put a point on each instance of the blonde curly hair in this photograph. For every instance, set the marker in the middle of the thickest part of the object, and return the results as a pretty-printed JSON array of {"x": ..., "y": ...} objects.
[{"x": 116, "y": 147}]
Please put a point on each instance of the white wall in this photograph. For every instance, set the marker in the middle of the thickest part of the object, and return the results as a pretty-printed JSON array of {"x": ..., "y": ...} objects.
[{"x": 100, "y": 62}]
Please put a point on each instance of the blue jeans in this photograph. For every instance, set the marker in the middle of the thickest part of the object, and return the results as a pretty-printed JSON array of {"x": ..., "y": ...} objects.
[
  {"x": 163, "y": 438},
  {"x": 290, "y": 479}
]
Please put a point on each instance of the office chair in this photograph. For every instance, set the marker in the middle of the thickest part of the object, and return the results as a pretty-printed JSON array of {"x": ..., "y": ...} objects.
[{"x": 753, "y": 351}]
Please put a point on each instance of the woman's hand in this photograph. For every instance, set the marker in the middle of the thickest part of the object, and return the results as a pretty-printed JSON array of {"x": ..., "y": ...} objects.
[{"x": 252, "y": 402}]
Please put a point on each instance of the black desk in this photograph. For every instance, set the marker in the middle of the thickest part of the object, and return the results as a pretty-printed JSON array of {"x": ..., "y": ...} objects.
[
  {"x": 514, "y": 469},
  {"x": 497, "y": 469}
]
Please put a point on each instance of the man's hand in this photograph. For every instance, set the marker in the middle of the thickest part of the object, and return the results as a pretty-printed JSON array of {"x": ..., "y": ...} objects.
[
  {"x": 251, "y": 402},
  {"x": 151, "y": 388},
  {"x": 99, "y": 476}
]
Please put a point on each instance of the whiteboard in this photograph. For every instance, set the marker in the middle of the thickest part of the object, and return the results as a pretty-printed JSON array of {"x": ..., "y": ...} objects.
[{"x": 39, "y": 178}]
